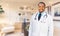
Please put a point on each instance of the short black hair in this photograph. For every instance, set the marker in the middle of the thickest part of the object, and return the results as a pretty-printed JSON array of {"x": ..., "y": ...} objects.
[{"x": 41, "y": 3}]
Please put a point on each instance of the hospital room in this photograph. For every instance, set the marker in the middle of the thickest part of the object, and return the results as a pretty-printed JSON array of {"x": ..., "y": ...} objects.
[{"x": 29, "y": 17}]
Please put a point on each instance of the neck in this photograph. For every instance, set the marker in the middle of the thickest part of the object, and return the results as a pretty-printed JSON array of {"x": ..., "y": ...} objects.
[{"x": 40, "y": 12}]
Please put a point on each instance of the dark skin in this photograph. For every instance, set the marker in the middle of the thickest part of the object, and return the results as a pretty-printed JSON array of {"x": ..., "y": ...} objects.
[{"x": 41, "y": 7}]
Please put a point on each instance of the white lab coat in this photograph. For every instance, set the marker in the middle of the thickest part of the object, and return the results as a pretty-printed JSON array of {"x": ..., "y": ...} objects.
[{"x": 43, "y": 27}]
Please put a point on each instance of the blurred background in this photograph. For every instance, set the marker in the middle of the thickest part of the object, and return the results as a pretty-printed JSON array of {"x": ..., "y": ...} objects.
[{"x": 15, "y": 16}]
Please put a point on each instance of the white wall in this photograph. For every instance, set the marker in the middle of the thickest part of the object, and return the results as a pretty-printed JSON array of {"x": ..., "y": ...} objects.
[{"x": 11, "y": 14}]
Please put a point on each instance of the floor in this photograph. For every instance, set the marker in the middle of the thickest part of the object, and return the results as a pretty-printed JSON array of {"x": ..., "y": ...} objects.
[
  {"x": 56, "y": 30},
  {"x": 15, "y": 34},
  {"x": 56, "y": 33}
]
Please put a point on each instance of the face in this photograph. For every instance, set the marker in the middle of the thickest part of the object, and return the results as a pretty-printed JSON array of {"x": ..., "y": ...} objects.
[{"x": 41, "y": 7}]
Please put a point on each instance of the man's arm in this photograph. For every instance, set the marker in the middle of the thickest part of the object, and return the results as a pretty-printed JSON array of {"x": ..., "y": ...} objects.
[
  {"x": 51, "y": 27},
  {"x": 30, "y": 28}
]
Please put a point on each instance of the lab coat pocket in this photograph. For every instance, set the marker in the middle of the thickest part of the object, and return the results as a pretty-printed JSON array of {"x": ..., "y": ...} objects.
[{"x": 44, "y": 20}]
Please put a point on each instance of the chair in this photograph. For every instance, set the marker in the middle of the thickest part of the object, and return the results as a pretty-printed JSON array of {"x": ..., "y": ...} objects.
[{"x": 6, "y": 28}]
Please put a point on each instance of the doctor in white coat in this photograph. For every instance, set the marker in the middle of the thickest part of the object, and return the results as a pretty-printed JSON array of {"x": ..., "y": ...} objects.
[{"x": 41, "y": 23}]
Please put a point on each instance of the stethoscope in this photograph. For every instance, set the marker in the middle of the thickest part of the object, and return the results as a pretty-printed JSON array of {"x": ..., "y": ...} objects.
[{"x": 43, "y": 16}]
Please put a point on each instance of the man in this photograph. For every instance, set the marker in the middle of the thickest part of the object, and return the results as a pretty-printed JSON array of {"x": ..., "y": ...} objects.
[{"x": 41, "y": 23}]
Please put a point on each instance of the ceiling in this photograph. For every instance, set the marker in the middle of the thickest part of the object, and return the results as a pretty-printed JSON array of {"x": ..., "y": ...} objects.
[{"x": 28, "y": 2}]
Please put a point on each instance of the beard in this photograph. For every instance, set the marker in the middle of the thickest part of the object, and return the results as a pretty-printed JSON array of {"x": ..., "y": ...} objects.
[{"x": 41, "y": 11}]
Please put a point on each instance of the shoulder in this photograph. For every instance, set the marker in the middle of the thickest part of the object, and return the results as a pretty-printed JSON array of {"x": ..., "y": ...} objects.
[
  {"x": 50, "y": 17},
  {"x": 33, "y": 15}
]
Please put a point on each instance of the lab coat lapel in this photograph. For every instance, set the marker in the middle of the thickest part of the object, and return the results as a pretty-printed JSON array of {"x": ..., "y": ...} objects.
[{"x": 43, "y": 18}]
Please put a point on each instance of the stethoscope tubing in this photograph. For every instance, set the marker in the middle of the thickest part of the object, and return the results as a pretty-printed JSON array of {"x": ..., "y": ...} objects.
[{"x": 37, "y": 14}]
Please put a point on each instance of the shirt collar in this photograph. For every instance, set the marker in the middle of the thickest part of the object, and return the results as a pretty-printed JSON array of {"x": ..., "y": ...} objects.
[{"x": 43, "y": 13}]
